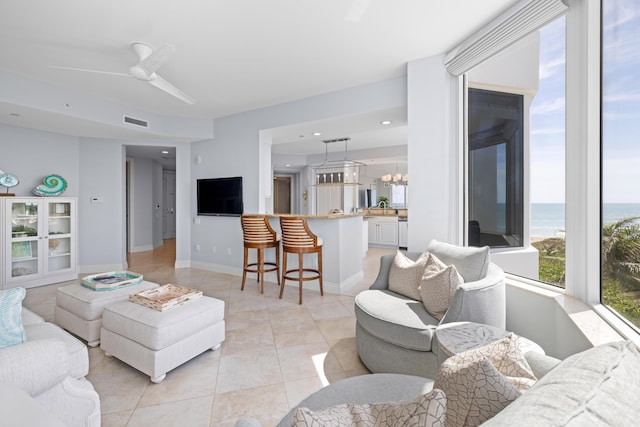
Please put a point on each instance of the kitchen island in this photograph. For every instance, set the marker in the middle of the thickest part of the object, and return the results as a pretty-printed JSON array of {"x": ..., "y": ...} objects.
[{"x": 342, "y": 251}]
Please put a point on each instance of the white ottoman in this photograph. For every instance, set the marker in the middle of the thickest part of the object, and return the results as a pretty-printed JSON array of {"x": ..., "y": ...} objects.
[
  {"x": 155, "y": 342},
  {"x": 79, "y": 310}
]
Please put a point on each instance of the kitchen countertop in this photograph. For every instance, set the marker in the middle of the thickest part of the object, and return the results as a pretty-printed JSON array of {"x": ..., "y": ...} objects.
[{"x": 327, "y": 216}]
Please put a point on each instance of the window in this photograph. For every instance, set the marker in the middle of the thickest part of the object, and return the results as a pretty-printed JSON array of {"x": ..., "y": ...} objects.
[
  {"x": 516, "y": 154},
  {"x": 495, "y": 173},
  {"x": 398, "y": 195},
  {"x": 620, "y": 289}
]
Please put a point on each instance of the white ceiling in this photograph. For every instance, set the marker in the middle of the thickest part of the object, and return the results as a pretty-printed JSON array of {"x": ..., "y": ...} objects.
[{"x": 232, "y": 56}]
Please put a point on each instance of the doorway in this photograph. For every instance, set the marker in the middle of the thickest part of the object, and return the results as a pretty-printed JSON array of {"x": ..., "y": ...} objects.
[
  {"x": 169, "y": 204},
  {"x": 282, "y": 194}
]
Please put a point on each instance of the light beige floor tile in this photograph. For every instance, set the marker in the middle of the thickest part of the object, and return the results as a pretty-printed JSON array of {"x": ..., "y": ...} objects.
[
  {"x": 307, "y": 361},
  {"x": 257, "y": 337},
  {"x": 118, "y": 385},
  {"x": 248, "y": 369},
  {"x": 246, "y": 319},
  {"x": 116, "y": 419},
  {"x": 267, "y": 404},
  {"x": 196, "y": 378},
  {"x": 329, "y": 309},
  {"x": 192, "y": 413},
  {"x": 346, "y": 352},
  {"x": 310, "y": 335},
  {"x": 335, "y": 329}
]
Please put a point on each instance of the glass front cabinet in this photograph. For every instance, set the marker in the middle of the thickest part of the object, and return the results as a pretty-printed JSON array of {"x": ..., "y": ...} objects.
[{"x": 39, "y": 240}]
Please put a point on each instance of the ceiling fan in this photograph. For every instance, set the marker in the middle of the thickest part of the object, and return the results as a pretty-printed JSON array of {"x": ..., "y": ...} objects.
[{"x": 149, "y": 61}]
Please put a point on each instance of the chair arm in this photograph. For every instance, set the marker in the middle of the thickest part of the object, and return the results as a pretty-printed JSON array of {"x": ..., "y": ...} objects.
[
  {"x": 540, "y": 364},
  {"x": 482, "y": 301},
  {"x": 34, "y": 366}
]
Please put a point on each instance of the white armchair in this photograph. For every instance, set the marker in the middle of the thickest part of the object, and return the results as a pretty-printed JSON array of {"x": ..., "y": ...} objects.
[{"x": 41, "y": 368}]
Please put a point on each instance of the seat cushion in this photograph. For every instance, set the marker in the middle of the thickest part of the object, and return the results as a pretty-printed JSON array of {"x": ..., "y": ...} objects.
[
  {"x": 88, "y": 304},
  {"x": 395, "y": 319},
  {"x": 158, "y": 329}
]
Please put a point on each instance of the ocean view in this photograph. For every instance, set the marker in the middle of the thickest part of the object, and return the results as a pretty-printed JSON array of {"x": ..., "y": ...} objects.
[{"x": 547, "y": 219}]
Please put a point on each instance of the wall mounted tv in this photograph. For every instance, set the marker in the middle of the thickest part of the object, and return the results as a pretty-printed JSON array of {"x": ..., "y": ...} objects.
[{"x": 220, "y": 196}]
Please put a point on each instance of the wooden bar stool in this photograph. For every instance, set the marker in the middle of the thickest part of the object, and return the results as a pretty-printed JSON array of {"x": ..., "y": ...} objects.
[
  {"x": 258, "y": 234},
  {"x": 298, "y": 239}
]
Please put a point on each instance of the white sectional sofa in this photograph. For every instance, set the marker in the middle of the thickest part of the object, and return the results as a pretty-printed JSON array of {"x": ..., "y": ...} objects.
[{"x": 42, "y": 380}]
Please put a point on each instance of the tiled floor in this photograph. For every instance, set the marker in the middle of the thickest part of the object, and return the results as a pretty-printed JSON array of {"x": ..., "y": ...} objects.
[{"x": 276, "y": 352}]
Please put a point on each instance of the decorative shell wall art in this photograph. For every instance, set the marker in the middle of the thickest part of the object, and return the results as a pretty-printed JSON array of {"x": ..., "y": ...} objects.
[
  {"x": 52, "y": 185},
  {"x": 8, "y": 180}
]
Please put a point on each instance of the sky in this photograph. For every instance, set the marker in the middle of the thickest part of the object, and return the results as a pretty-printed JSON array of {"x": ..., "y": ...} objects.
[{"x": 621, "y": 108}]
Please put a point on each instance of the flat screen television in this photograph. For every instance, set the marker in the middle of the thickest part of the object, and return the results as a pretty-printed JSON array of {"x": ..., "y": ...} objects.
[{"x": 220, "y": 196}]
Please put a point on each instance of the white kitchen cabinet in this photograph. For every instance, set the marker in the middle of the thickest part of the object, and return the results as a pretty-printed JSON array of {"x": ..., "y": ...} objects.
[
  {"x": 38, "y": 241},
  {"x": 383, "y": 231}
]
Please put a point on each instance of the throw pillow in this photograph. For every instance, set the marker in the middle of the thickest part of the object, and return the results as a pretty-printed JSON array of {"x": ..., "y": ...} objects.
[
  {"x": 11, "y": 330},
  {"x": 472, "y": 263},
  {"x": 425, "y": 410},
  {"x": 475, "y": 390},
  {"x": 437, "y": 286},
  {"x": 405, "y": 275},
  {"x": 505, "y": 354}
]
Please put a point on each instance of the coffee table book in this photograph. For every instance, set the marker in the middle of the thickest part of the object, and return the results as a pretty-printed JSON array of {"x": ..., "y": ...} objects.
[{"x": 165, "y": 297}]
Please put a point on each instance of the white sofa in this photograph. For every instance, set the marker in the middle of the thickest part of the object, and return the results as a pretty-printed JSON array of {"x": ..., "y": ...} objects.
[
  {"x": 42, "y": 380},
  {"x": 597, "y": 387}
]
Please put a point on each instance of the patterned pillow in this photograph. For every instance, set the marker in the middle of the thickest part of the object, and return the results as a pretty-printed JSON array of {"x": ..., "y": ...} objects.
[
  {"x": 509, "y": 360},
  {"x": 426, "y": 410},
  {"x": 439, "y": 283},
  {"x": 11, "y": 330},
  {"x": 475, "y": 390},
  {"x": 405, "y": 275}
]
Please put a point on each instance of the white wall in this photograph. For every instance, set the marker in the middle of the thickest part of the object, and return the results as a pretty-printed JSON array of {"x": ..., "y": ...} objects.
[
  {"x": 141, "y": 200},
  {"x": 31, "y": 155},
  {"x": 235, "y": 151},
  {"x": 433, "y": 154},
  {"x": 101, "y": 225}
]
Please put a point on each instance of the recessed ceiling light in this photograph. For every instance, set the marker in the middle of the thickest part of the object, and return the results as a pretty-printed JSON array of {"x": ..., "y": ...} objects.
[
  {"x": 165, "y": 152},
  {"x": 385, "y": 122},
  {"x": 288, "y": 166},
  {"x": 317, "y": 134}
]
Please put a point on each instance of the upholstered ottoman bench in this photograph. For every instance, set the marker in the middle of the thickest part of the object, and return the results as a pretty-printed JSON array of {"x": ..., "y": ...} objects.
[
  {"x": 79, "y": 310},
  {"x": 154, "y": 342}
]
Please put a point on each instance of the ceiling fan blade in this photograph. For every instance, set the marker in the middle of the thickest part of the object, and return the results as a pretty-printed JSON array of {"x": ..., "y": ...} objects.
[
  {"x": 152, "y": 62},
  {"x": 164, "y": 85},
  {"x": 89, "y": 71}
]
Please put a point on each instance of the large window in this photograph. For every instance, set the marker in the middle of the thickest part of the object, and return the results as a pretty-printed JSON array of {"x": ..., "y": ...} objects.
[
  {"x": 516, "y": 154},
  {"x": 621, "y": 157},
  {"x": 495, "y": 155}
]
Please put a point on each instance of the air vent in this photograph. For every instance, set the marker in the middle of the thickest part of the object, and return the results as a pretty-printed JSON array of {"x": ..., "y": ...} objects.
[{"x": 136, "y": 122}]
